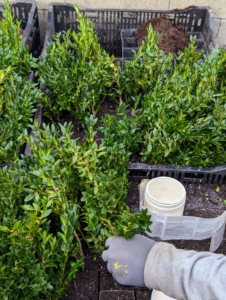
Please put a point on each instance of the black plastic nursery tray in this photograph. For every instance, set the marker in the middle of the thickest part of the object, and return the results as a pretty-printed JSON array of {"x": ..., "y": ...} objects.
[
  {"x": 27, "y": 13},
  {"x": 109, "y": 23},
  {"x": 185, "y": 174}
]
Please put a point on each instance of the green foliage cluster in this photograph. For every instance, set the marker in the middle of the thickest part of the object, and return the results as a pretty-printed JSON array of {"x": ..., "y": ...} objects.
[
  {"x": 12, "y": 52},
  {"x": 45, "y": 201},
  {"x": 142, "y": 73},
  {"x": 76, "y": 72},
  {"x": 184, "y": 116},
  {"x": 66, "y": 193},
  {"x": 120, "y": 135},
  {"x": 181, "y": 103},
  {"x": 178, "y": 111},
  {"x": 71, "y": 191},
  {"x": 17, "y": 93}
]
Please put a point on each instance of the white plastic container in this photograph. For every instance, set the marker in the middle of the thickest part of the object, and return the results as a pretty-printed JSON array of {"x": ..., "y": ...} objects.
[
  {"x": 166, "y": 196},
  {"x": 157, "y": 295}
]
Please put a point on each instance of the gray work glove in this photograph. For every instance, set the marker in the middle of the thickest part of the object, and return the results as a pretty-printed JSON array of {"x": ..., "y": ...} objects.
[{"x": 126, "y": 258}]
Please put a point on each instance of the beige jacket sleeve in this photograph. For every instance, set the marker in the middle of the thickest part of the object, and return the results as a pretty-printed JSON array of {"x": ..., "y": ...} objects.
[{"x": 186, "y": 275}]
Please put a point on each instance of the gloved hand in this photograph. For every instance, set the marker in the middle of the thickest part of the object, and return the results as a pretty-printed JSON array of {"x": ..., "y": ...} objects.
[{"x": 126, "y": 258}]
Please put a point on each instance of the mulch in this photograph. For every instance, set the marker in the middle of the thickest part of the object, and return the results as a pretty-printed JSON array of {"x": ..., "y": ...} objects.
[{"x": 173, "y": 38}]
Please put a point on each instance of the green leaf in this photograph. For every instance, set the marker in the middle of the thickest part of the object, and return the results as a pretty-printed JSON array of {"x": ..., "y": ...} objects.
[
  {"x": 36, "y": 197},
  {"x": 53, "y": 195},
  {"x": 36, "y": 173},
  {"x": 16, "y": 225},
  {"x": 74, "y": 159},
  {"x": 63, "y": 221},
  {"x": 47, "y": 213},
  {"x": 28, "y": 207},
  {"x": 29, "y": 197},
  {"x": 62, "y": 236},
  {"x": 4, "y": 228},
  {"x": 37, "y": 207},
  {"x": 49, "y": 203},
  {"x": 2, "y": 268}
]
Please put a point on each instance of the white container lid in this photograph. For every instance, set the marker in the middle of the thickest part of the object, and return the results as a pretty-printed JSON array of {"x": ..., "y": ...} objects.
[
  {"x": 157, "y": 295},
  {"x": 165, "y": 191}
]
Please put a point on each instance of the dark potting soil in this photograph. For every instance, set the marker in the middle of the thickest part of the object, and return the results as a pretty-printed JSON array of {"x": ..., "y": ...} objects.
[
  {"x": 96, "y": 283},
  {"x": 107, "y": 107},
  {"x": 177, "y": 10},
  {"x": 173, "y": 38}
]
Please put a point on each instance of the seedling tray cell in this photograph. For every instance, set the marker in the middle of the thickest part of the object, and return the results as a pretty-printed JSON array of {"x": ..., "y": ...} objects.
[{"x": 129, "y": 43}]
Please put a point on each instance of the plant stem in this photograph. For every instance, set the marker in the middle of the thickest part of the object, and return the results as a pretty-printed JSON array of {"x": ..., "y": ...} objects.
[{"x": 80, "y": 245}]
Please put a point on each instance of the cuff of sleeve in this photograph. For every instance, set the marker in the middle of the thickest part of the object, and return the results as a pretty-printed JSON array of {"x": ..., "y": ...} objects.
[{"x": 157, "y": 266}]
